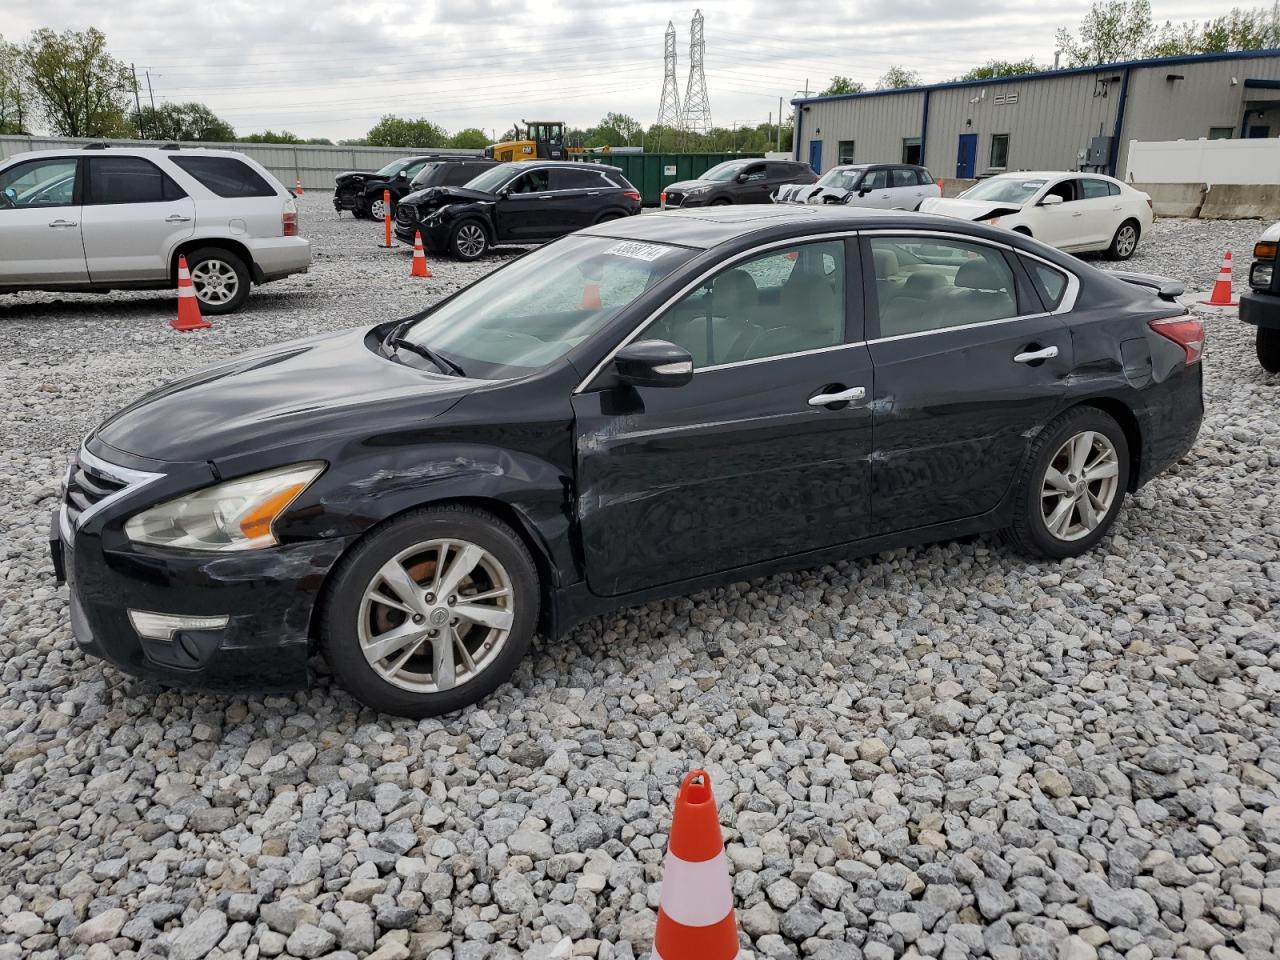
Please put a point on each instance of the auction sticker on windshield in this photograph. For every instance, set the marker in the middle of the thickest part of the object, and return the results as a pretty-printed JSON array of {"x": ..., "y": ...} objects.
[{"x": 638, "y": 251}]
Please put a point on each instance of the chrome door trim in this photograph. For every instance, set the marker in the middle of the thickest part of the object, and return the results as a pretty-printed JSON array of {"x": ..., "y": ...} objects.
[{"x": 712, "y": 271}]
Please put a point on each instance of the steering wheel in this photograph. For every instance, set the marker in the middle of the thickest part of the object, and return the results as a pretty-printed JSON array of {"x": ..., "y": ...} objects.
[{"x": 7, "y": 201}]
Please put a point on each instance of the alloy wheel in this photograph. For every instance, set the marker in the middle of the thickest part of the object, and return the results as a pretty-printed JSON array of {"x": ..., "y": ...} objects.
[
  {"x": 215, "y": 281},
  {"x": 436, "y": 615},
  {"x": 471, "y": 240},
  {"x": 377, "y": 209},
  {"x": 1126, "y": 240},
  {"x": 1080, "y": 485}
]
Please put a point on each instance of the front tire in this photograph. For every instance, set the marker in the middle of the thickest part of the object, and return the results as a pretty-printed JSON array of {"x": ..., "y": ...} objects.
[
  {"x": 468, "y": 240},
  {"x": 720, "y": 202},
  {"x": 1125, "y": 241},
  {"x": 1072, "y": 485},
  {"x": 377, "y": 208},
  {"x": 431, "y": 613},
  {"x": 221, "y": 279},
  {"x": 1269, "y": 349}
]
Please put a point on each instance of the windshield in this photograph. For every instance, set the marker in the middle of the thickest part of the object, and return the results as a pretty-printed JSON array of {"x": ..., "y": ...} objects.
[
  {"x": 492, "y": 179},
  {"x": 1005, "y": 189},
  {"x": 724, "y": 171},
  {"x": 841, "y": 178},
  {"x": 525, "y": 316},
  {"x": 394, "y": 167}
]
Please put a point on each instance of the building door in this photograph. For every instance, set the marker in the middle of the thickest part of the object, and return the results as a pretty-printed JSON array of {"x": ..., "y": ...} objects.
[
  {"x": 1258, "y": 133},
  {"x": 966, "y": 154},
  {"x": 815, "y": 155}
]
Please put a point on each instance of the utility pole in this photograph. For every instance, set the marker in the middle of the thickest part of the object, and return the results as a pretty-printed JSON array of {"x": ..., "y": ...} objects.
[
  {"x": 779, "y": 124},
  {"x": 137, "y": 102},
  {"x": 149, "y": 91}
]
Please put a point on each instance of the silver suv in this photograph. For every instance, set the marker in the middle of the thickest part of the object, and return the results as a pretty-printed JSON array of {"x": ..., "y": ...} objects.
[{"x": 108, "y": 218}]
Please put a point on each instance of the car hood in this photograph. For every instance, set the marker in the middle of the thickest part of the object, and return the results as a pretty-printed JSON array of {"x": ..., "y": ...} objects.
[
  {"x": 968, "y": 209},
  {"x": 354, "y": 176},
  {"x": 310, "y": 388},
  {"x": 810, "y": 193},
  {"x": 684, "y": 186},
  {"x": 439, "y": 196}
]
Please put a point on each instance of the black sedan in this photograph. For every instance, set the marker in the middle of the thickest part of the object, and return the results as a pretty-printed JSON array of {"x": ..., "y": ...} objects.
[
  {"x": 645, "y": 408},
  {"x": 737, "y": 181},
  {"x": 524, "y": 202}
]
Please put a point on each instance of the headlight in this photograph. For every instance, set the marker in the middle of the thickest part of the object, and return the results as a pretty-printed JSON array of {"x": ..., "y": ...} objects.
[
  {"x": 1260, "y": 276},
  {"x": 236, "y": 515}
]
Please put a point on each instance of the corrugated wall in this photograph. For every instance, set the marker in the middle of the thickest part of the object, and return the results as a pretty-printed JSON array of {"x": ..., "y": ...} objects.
[
  {"x": 316, "y": 165},
  {"x": 877, "y": 125}
]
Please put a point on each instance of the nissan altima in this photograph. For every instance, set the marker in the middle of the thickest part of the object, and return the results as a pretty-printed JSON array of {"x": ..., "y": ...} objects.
[{"x": 644, "y": 408}]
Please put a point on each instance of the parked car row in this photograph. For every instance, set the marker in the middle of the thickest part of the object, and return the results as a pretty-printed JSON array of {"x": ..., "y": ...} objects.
[{"x": 364, "y": 193}]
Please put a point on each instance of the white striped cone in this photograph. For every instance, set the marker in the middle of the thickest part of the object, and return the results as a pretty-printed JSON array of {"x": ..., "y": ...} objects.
[
  {"x": 1221, "y": 295},
  {"x": 188, "y": 305},
  {"x": 419, "y": 268}
]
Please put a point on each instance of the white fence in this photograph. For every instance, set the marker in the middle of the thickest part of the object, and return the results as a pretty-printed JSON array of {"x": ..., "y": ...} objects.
[
  {"x": 315, "y": 165},
  {"x": 1212, "y": 162}
]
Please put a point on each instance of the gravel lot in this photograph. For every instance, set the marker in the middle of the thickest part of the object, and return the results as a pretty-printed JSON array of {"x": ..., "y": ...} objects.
[{"x": 943, "y": 752}]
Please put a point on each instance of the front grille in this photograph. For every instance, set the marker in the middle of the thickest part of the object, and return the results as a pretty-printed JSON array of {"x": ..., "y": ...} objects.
[
  {"x": 674, "y": 199},
  {"x": 86, "y": 487}
]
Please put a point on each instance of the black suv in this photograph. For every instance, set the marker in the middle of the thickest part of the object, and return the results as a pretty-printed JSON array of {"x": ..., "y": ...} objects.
[
  {"x": 522, "y": 202},
  {"x": 737, "y": 181},
  {"x": 361, "y": 192}
]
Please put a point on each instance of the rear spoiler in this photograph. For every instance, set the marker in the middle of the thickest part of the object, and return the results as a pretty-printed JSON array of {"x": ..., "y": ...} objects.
[{"x": 1165, "y": 288}]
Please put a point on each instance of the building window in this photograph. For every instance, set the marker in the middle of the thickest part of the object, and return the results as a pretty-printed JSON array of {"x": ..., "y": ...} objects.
[
  {"x": 999, "y": 151},
  {"x": 1221, "y": 133},
  {"x": 845, "y": 151},
  {"x": 910, "y": 149}
]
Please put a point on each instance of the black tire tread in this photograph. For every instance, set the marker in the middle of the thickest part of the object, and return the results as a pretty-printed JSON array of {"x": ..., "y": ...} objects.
[
  {"x": 1268, "y": 345},
  {"x": 241, "y": 268},
  {"x": 1111, "y": 253}
]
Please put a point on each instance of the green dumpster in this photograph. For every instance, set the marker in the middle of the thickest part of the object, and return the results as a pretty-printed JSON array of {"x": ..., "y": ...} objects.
[{"x": 651, "y": 172}]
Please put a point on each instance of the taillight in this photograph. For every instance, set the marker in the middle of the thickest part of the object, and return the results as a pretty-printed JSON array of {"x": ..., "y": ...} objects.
[
  {"x": 1186, "y": 331},
  {"x": 288, "y": 224},
  {"x": 635, "y": 195}
]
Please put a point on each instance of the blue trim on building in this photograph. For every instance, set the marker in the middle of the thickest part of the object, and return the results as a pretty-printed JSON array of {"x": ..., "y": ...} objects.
[
  {"x": 1262, "y": 84},
  {"x": 924, "y": 128},
  {"x": 1113, "y": 155},
  {"x": 1049, "y": 74}
]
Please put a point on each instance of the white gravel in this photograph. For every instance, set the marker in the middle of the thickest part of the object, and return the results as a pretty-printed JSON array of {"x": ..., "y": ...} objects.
[{"x": 943, "y": 752}]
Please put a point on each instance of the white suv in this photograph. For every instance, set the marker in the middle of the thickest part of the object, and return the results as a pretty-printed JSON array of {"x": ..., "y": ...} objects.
[{"x": 107, "y": 218}]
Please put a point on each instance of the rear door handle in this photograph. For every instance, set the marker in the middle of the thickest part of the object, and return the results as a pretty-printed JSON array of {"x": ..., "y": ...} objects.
[
  {"x": 594, "y": 193},
  {"x": 177, "y": 218},
  {"x": 63, "y": 223},
  {"x": 1032, "y": 356},
  {"x": 844, "y": 396}
]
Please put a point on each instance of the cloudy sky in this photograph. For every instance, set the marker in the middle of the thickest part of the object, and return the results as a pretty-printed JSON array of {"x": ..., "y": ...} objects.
[{"x": 333, "y": 71}]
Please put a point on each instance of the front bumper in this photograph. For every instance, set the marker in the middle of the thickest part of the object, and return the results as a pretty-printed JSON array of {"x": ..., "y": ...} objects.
[
  {"x": 345, "y": 199},
  {"x": 1260, "y": 309}
]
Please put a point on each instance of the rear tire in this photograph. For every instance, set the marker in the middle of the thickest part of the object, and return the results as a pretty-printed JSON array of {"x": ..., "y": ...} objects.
[
  {"x": 1071, "y": 486},
  {"x": 221, "y": 279},
  {"x": 468, "y": 240},
  {"x": 364, "y": 612},
  {"x": 1125, "y": 242},
  {"x": 1269, "y": 349}
]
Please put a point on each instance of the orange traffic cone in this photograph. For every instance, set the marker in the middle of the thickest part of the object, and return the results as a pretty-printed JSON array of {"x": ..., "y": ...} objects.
[
  {"x": 942, "y": 188},
  {"x": 1221, "y": 296},
  {"x": 188, "y": 306},
  {"x": 298, "y": 187},
  {"x": 419, "y": 257},
  {"x": 590, "y": 297},
  {"x": 696, "y": 920}
]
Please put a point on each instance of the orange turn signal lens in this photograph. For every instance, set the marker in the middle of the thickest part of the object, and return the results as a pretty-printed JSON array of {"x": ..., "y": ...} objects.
[
  {"x": 257, "y": 522},
  {"x": 1264, "y": 250}
]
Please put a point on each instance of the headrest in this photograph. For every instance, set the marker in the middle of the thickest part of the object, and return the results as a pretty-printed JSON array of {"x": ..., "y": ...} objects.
[
  {"x": 980, "y": 275},
  {"x": 886, "y": 263},
  {"x": 735, "y": 289},
  {"x": 922, "y": 285}
]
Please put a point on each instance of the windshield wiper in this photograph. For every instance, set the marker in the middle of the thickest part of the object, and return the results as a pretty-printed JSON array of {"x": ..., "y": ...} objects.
[{"x": 439, "y": 359}]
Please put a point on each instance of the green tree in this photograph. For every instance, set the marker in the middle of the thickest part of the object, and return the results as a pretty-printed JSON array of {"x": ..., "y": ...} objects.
[
  {"x": 271, "y": 136},
  {"x": 81, "y": 90},
  {"x": 841, "y": 84},
  {"x": 319, "y": 141},
  {"x": 472, "y": 138},
  {"x": 1239, "y": 29},
  {"x": 15, "y": 93},
  {"x": 393, "y": 131},
  {"x": 895, "y": 78},
  {"x": 1001, "y": 68},
  {"x": 628, "y": 128},
  {"x": 183, "y": 121},
  {"x": 1112, "y": 30}
]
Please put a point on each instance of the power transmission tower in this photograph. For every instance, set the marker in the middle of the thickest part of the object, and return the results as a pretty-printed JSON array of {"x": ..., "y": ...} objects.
[
  {"x": 669, "y": 117},
  {"x": 697, "y": 105}
]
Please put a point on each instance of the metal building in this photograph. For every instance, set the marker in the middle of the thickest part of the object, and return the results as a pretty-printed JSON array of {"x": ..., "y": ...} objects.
[{"x": 1074, "y": 119}]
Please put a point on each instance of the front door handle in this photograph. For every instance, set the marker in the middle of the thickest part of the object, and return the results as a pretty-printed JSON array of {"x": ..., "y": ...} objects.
[
  {"x": 545, "y": 197},
  {"x": 1035, "y": 356},
  {"x": 177, "y": 218},
  {"x": 844, "y": 396},
  {"x": 63, "y": 223}
]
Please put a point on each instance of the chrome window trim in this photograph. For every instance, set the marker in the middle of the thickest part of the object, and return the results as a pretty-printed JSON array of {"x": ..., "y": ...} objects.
[
  {"x": 722, "y": 265},
  {"x": 780, "y": 356},
  {"x": 133, "y": 481}
]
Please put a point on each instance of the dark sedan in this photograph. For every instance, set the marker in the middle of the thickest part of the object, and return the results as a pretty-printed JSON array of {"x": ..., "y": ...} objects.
[
  {"x": 524, "y": 202},
  {"x": 649, "y": 407},
  {"x": 737, "y": 181}
]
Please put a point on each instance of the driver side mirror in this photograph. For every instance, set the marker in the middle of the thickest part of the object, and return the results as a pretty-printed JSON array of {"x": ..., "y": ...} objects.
[
  {"x": 741, "y": 178},
  {"x": 1051, "y": 200},
  {"x": 654, "y": 363},
  {"x": 401, "y": 175},
  {"x": 864, "y": 189}
]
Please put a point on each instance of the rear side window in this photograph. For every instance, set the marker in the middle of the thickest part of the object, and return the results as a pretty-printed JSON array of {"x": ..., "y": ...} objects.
[
  {"x": 226, "y": 176},
  {"x": 1092, "y": 189},
  {"x": 1049, "y": 282},
  {"x": 924, "y": 175},
  {"x": 563, "y": 178},
  {"x": 129, "y": 180},
  {"x": 1113, "y": 189},
  {"x": 904, "y": 177},
  {"x": 783, "y": 171},
  {"x": 927, "y": 284},
  {"x": 618, "y": 180}
]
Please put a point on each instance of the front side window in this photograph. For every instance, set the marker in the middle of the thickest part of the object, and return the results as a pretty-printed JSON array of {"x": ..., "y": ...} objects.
[
  {"x": 129, "y": 180},
  {"x": 786, "y": 301},
  {"x": 39, "y": 183},
  {"x": 394, "y": 167},
  {"x": 491, "y": 179},
  {"x": 875, "y": 180},
  {"x": 755, "y": 172},
  {"x": 724, "y": 172},
  {"x": 535, "y": 181},
  {"x": 844, "y": 151},
  {"x": 999, "y": 150},
  {"x": 531, "y": 313},
  {"x": 225, "y": 176},
  {"x": 936, "y": 283},
  {"x": 1066, "y": 189}
]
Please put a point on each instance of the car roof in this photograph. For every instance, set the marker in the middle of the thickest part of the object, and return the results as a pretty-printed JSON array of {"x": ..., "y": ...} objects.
[
  {"x": 541, "y": 164},
  {"x": 706, "y": 227},
  {"x": 125, "y": 152},
  {"x": 1047, "y": 174}
]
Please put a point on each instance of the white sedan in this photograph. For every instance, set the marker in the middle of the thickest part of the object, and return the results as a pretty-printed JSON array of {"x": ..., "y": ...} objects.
[{"x": 1075, "y": 212}]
